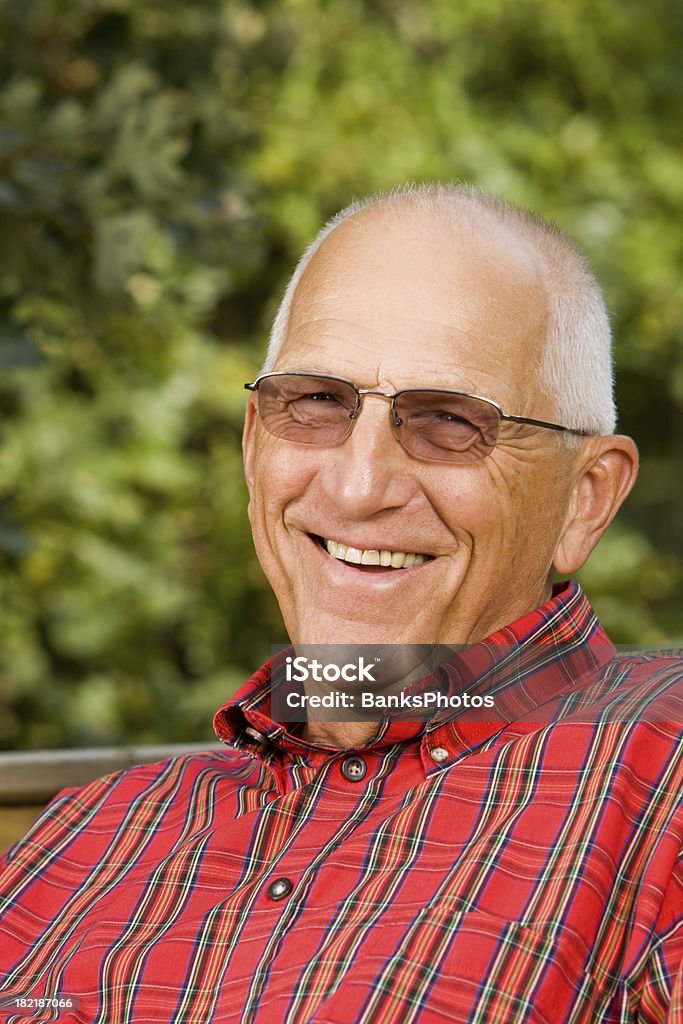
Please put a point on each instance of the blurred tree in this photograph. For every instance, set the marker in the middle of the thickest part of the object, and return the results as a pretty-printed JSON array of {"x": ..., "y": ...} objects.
[{"x": 161, "y": 167}]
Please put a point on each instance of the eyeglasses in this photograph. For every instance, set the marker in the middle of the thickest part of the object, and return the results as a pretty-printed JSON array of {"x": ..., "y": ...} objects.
[{"x": 430, "y": 423}]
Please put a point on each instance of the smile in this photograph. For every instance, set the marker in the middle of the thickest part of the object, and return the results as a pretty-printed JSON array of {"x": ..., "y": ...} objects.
[{"x": 373, "y": 556}]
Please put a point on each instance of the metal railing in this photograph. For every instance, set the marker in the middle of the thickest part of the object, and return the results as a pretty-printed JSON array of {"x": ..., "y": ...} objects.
[{"x": 35, "y": 776}]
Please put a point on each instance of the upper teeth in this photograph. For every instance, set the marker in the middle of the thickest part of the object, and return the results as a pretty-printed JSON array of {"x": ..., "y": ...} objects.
[{"x": 360, "y": 556}]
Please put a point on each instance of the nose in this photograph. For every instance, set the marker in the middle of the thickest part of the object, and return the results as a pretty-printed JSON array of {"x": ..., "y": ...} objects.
[{"x": 370, "y": 472}]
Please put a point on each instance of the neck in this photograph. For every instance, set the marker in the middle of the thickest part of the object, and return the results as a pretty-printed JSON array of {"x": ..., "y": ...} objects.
[
  {"x": 342, "y": 735},
  {"x": 391, "y": 668}
]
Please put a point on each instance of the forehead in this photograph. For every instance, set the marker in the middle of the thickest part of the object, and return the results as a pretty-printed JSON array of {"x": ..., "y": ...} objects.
[{"x": 402, "y": 295}]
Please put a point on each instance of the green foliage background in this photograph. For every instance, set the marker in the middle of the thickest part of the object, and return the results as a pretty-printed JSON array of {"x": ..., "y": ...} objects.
[{"x": 162, "y": 164}]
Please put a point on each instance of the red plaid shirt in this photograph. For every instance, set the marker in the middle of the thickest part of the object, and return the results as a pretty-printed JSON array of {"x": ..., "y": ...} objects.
[{"x": 517, "y": 870}]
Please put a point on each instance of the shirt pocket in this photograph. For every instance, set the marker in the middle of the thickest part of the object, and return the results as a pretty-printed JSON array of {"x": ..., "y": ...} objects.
[
  {"x": 500, "y": 970},
  {"x": 471, "y": 966}
]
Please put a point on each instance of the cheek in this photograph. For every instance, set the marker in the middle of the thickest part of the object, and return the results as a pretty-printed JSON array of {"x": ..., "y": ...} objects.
[
  {"x": 281, "y": 476},
  {"x": 505, "y": 512},
  {"x": 476, "y": 505},
  {"x": 532, "y": 516}
]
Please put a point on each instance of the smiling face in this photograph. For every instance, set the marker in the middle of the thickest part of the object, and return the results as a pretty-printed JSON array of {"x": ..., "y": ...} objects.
[{"x": 392, "y": 304}]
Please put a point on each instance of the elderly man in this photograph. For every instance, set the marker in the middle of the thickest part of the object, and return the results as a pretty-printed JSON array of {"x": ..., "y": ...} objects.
[{"x": 431, "y": 437}]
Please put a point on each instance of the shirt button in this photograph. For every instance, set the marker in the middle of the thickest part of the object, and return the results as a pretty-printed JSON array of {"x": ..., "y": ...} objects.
[
  {"x": 280, "y": 888},
  {"x": 354, "y": 768},
  {"x": 439, "y": 754}
]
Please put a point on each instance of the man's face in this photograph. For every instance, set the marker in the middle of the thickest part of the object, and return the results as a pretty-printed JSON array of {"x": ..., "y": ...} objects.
[{"x": 392, "y": 305}]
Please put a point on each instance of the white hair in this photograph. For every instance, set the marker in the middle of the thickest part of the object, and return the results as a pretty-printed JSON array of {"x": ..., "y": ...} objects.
[{"x": 576, "y": 368}]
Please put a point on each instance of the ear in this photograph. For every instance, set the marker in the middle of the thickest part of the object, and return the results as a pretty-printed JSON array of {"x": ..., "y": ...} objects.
[
  {"x": 607, "y": 470},
  {"x": 249, "y": 442}
]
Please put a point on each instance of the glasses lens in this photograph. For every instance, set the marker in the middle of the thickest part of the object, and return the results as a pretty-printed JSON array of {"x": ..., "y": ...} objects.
[
  {"x": 445, "y": 427},
  {"x": 312, "y": 410}
]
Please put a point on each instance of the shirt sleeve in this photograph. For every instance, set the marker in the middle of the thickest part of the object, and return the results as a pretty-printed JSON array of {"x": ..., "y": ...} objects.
[
  {"x": 662, "y": 991},
  {"x": 27, "y": 867},
  {"x": 7, "y": 856}
]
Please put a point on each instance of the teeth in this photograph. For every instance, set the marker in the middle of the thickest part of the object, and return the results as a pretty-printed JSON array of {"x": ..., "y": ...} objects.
[
  {"x": 370, "y": 558},
  {"x": 359, "y": 556}
]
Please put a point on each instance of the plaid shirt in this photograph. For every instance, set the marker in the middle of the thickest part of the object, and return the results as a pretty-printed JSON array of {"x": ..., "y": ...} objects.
[{"x": 506, "y": 871}]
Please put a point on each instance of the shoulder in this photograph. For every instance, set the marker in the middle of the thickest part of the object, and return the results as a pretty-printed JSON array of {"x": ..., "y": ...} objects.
[
  {"x": 664, "y": 664},
  {"x": 632, "y": 716},
  {"x": 647, "y": 684}
]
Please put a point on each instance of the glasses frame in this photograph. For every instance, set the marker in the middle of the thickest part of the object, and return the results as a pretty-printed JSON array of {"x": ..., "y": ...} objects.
[{"x": 396, "y": 420}]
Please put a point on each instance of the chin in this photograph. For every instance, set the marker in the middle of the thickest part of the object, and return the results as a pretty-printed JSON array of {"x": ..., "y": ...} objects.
[{"x": 323, "y": 629}]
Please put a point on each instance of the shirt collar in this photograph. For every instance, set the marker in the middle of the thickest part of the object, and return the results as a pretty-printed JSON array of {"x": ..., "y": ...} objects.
[{"x": 529, "y": 664}]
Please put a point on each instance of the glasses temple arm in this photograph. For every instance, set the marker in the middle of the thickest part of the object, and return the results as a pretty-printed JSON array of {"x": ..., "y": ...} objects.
[{"x": 544, "y": 423}]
